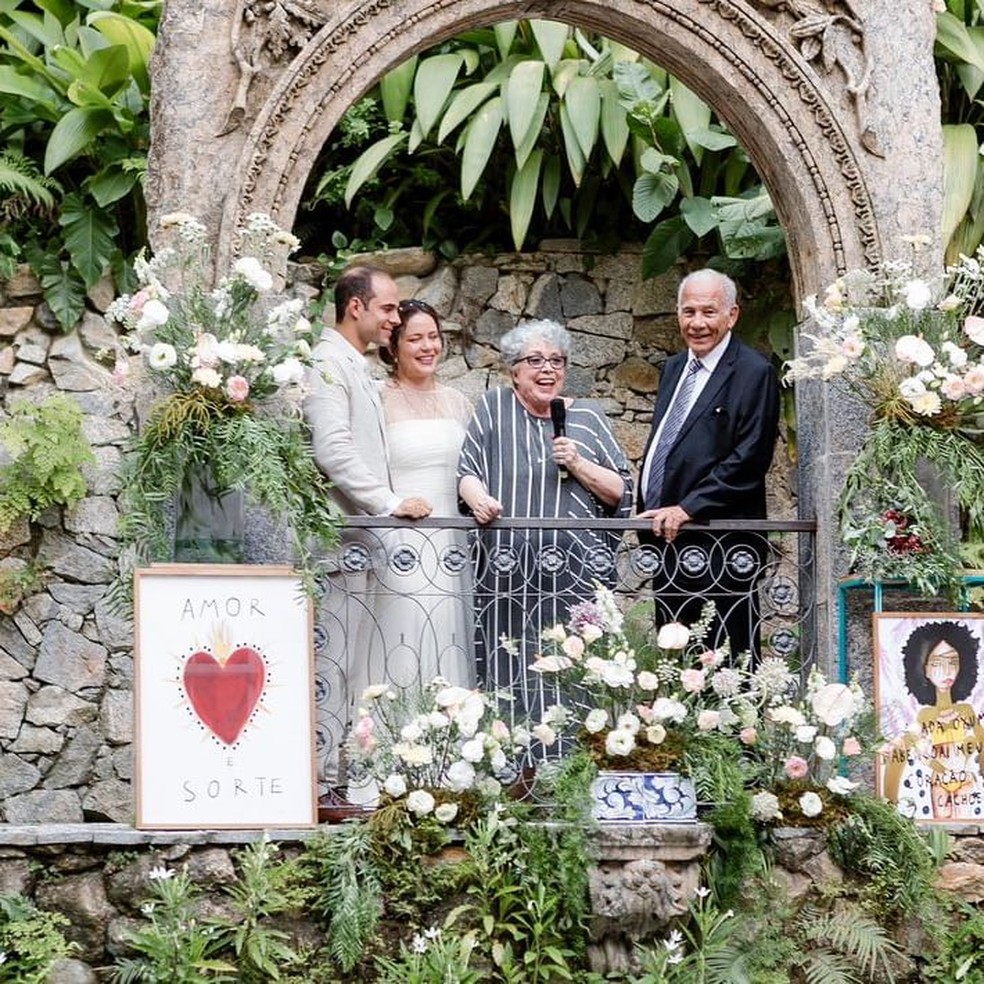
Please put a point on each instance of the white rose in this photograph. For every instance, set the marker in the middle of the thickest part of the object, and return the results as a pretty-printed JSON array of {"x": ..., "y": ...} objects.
[
  {"x": 446, "y": 812},
  {"x": 911, "y": 386},
  {"x": 648, "y": 680},
  {"x": 811, "y": 804},
  {"x": 917, "y": 295},
  {"x": 395, "y": 785},
  {"x": 209, "y": 378},
  {"x": 629, "y": 722},
  {"x": 251, "y": 270},
  {"x": 673, "y": 635},
  {"x": 667, "y": 709},
  {"x": 765, "y": 807},
  {"x": 162, "y": 356},
  {"x": 841, "y": 785},
  {"x": 973, "y": 329},
  {"x": 833, "y": 703},
  {"x": 825, "y": 748},
  {"x": 420, "y": 802},
  {"x": 595, "y": 720},
  {"x": 911, "y": 348},
  {"x": 153, "y": 315},
  {"x": 619, "y": 741},
  {"x": 473, "y": 750},
  {"x": 956, "y": 355},
  {"x": 544, "y": 734},
  {"x": 591, "y": 633},
  {"x": 288, "y": 371},
  {"x": 461, "y": 775},
  {"x": 806, "y": 733}
]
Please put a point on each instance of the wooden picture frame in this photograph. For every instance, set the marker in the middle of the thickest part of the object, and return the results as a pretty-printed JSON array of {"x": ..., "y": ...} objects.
[
  {"x": 224, "y": 698},
  {"x": 929, "y": 699}
]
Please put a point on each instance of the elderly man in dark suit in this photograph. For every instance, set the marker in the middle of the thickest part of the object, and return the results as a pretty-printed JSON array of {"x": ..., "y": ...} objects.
[{"x": 713, "y": 434}]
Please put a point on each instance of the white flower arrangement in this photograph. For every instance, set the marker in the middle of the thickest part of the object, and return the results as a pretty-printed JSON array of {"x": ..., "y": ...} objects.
[
  {"x": 233, "y": 342},
  {"x": 640, "y": 705},
  {"x": 440, "y": 751},
  {"x": 911, "y": 348}
]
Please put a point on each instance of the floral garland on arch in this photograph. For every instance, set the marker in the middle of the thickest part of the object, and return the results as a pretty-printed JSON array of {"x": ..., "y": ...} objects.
[
  {"x": 229, "y": 360},
  {"x": 911, "y": 349}
]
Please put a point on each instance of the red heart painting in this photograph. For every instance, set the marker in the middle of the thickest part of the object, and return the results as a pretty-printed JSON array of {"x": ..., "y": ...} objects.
[{"x": 225, "y": 694}]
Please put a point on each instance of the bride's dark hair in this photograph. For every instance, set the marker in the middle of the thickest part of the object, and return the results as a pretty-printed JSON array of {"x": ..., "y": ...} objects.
[{"x": 406, "y": 310}]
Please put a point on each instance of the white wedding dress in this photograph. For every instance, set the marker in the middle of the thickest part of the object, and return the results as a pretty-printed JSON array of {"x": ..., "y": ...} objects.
[{"x": 424, "y": 612}]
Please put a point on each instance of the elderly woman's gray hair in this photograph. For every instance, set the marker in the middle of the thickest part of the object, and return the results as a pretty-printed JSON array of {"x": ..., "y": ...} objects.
[{"x": 517, "y": 340}]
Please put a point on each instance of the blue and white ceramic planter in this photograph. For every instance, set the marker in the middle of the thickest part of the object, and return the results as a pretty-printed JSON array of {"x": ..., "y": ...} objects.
[{"x": 643, "y": 797}]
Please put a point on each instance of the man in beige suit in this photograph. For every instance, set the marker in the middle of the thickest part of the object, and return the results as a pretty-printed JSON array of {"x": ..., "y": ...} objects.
[{"x": 346, "y": 417}]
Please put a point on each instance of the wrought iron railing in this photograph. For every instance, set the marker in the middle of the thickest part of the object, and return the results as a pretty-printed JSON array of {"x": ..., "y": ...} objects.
[{"x": 405, "y": 601}]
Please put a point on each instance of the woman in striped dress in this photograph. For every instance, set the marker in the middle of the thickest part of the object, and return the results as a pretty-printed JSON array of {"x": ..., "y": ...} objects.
[{"x": 513, "y": 466}]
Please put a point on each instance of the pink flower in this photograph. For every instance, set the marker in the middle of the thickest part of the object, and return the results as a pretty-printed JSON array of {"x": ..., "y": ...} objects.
[
  {"x": 573, "y": 646},
  {"x": 710, "y": 658},
  {"x": 708, "y": 720},
  {"x": 974, "y": 380},
  {"x": 237, "y": 388},
  {"x": 851, "y": 746},
  {"x": 974, "y": 329},
  {"x": 748, "y": 736},
  {"x": 139, "y": 300},
  {"x": 693, "y": 681},
  {"x": 796, "y": 767}
]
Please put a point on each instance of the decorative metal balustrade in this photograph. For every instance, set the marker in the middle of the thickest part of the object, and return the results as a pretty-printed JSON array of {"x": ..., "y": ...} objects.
[{"x": 405, "y": 601}]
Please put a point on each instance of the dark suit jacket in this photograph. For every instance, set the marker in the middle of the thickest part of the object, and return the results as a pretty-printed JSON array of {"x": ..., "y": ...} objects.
[{"x": 716, "y": 467}]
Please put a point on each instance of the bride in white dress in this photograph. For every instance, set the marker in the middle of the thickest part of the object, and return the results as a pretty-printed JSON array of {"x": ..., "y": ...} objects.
[{"x": 424, "y": 605}]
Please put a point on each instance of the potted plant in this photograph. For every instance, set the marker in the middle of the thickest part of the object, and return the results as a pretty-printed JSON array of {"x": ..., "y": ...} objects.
[
  {"x": 647, "y": 704},
  {"x": 912, "y": 350},
  {"x": 228, "y": 361}
]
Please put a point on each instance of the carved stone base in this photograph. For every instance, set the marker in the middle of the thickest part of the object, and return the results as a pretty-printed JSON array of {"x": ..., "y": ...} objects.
[{"x": 645, "y": 876}]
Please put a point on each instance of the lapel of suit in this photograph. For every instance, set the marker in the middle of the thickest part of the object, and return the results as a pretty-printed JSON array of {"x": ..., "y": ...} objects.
[{"x": 723, "y": 372}]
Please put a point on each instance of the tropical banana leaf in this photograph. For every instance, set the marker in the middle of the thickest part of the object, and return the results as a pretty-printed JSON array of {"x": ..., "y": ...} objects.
[
  {"x": 432, "y": 85},
  {"x": 522, "y": 197},
  {"x": 960, "y": 166},
  {"x": 395, "y": 88},
  {"x": 480, "y": 138},
  {"x": 551, "y": 37},
  {"x": 369, "y": 162}
]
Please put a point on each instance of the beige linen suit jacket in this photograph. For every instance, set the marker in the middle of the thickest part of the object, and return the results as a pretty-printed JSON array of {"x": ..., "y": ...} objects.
[{"x": 346, "y": 417}]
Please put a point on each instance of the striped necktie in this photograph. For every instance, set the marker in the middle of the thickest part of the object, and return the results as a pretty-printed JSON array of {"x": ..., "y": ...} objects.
[{"x": 675, "y": 417}]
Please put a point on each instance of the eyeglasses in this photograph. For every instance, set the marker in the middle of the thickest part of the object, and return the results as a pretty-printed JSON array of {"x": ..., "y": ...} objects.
[{"x": 557, "y": 362}]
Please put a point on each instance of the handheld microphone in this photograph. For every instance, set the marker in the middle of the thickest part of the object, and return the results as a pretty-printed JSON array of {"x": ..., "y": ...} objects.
[{"x": 558, "y": 414}]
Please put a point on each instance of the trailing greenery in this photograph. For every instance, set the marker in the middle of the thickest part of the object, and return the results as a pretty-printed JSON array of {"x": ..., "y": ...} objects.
[
  {"x": 960, "y": 941},
  {"x": 48, "y": 450},
  {"x": 870, "y": 843},
  {"x": 32, "y": 940}
]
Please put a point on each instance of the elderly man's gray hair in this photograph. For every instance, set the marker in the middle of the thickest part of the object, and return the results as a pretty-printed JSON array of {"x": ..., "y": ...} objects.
[
  {"x": 724, "y": 283},
  {"x": 517, "y": 340}
]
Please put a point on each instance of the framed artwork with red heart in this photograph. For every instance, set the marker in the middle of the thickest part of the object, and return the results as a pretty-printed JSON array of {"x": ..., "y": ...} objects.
[{"x": 224, "y": 698}]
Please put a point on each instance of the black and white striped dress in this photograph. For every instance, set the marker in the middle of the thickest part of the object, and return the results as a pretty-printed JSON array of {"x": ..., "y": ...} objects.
[{"x": 526, "y": 581}]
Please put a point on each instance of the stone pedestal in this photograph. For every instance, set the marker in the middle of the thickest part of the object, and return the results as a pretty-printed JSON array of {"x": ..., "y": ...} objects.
[{"x": 645, "y": 876}]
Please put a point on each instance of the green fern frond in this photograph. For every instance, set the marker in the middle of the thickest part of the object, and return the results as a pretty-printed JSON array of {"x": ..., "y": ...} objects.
[
  {"x": 20, "y": 177},
  {"x": 828, "y": 967}
]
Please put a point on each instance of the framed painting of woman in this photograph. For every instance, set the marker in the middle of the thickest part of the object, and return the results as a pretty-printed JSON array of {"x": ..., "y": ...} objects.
[{"x": 929, "y": 695}]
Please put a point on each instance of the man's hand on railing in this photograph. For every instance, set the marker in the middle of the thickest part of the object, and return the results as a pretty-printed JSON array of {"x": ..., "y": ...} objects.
[
  {"x": 667, "y": 520},
  {"x": 413, "y": 508}
]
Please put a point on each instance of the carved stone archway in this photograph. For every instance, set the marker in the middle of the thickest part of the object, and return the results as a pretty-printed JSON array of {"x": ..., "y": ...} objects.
[{"x": 836, "y": 104}]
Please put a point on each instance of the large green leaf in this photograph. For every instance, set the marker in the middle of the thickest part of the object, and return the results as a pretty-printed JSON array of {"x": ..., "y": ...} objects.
[
  {"x": 651, "y": 193},
  {"x": 635, "y": 83},
  {"x": 111, "y": 184},
  {"x": 135, "y": 38},
  {"x": 747, "y": 227},
  {"x": 551, "y": 36},
  {"x": 523, "y": 97},
  {"x": 551, "y": 184},
  {"x": 62, "y": 289},
  {"x": 432, "y": 85},
  {"x": 73, "y": 133},
  {"x": 369, "y": 162},
  {"x": 90, "y": 237},
  {"x": 954, "y": 38},
  {"x": 572, "y": 148},
  {"x": 464, "y": 103},
  {"x": 666, "y": 244},
  {"x": 960, "y": 164},
  {"x": 522, "y": 197},
  {"x": 104, "y": 74},
  {"x": 614, "y": 129},
  {"x": 395, "y": 88},
  {"x": 480, "y": 138},
  {"x": 31, "y": 61},
  {"x": 583, "y": 103},
  {"x": 711, "y": 139},
  {"x": 562, "y": 74},
  {"x": 45, "y": 30},
  {"x": 691, "y": 112},
  {"x": 699, "y": 215},
  {"x": 505, "y": 32},
  {"x": 16, "y": 84},
  {"x": 535, "y": 130}
]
